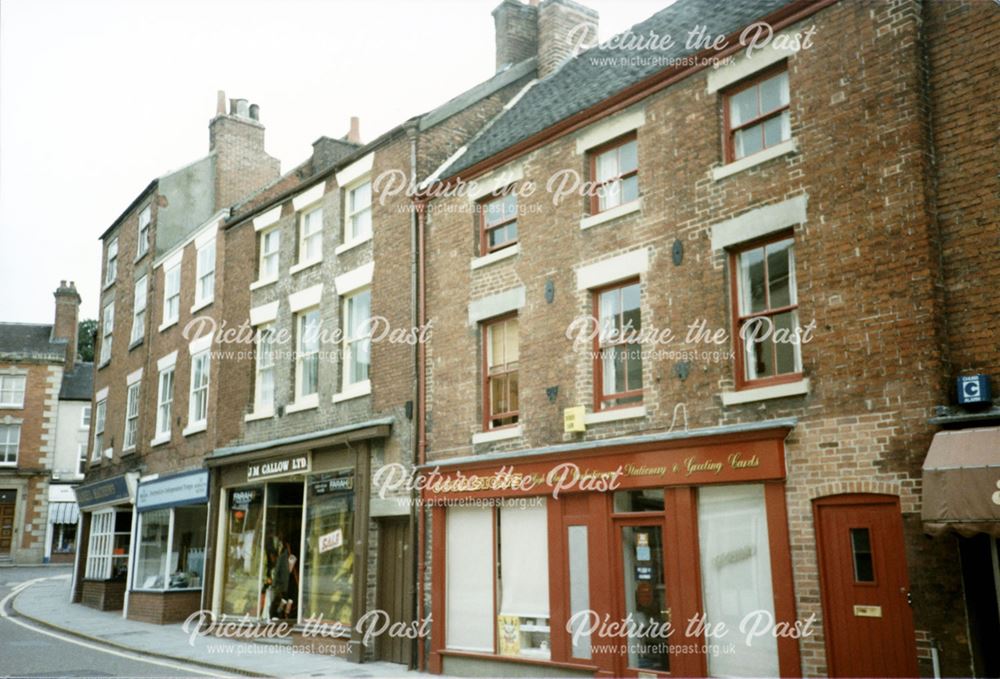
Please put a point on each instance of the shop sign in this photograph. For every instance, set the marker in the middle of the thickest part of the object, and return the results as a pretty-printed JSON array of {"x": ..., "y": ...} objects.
[
  {"x": 173, "y": 491},
  {"x": 243, "y": 498},
  {"x": 282, "y": 466},
  {"x": 331, "y": 541},
  {"x": 323, "y": 484},
  {"x": 115, "y": 489},
  {"x": 746, "y": 461}
]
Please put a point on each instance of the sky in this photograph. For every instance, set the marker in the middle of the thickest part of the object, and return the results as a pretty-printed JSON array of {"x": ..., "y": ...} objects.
[{"x": 98, "y": 97}]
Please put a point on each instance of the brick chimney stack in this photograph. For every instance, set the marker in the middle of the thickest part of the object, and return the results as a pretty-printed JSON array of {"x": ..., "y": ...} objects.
[
  {"x": 67, "y": 319},
  {"x": 551, "y": 30},
  {"x": 236, "y": 137},
  {"x": 565, "y": 28},
  {"x": 516, "y": 32},
  {"x": 354, "y": 134}
]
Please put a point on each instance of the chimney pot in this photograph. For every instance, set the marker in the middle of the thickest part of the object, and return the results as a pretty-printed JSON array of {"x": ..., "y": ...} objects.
[
  {"x": 220, "y": 103},
  {"x": 254, "y": 112}
]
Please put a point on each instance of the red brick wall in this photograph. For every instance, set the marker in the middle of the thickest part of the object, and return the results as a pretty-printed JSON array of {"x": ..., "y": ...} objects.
[
  {"x": 867, "y": 269},
  {"x": 163, "y": 608}
]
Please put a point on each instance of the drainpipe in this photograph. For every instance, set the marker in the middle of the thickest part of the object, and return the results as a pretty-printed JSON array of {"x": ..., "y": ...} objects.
[
  {"x": 935, "y": 660},
  {"x": 414, "y": 495},
  {"x": 420, "y": 207}
]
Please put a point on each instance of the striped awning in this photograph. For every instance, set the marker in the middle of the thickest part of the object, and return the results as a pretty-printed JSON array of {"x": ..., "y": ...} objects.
[{"x": 63, "y": 512}]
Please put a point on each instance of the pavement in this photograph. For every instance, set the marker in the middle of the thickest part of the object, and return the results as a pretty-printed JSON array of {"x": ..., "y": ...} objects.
[{"x": 39, "y": 599}]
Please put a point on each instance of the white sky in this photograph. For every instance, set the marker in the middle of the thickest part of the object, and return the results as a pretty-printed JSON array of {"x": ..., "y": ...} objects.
[{"x": 98, "y": 97}]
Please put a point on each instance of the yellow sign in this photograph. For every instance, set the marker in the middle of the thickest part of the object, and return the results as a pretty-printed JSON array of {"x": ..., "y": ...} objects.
[
  {"x": 510, "y": 634},
  {"x": 573, "y": 419}
]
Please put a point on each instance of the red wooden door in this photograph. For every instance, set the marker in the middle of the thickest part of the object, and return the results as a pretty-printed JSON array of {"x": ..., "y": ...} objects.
[
  {"x": 865, "y": 587},
  {"x": 7, "y": 504}
]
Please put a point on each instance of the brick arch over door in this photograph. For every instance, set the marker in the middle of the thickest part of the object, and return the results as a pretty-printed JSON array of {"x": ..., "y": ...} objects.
[{"x": 856, "y": 487}]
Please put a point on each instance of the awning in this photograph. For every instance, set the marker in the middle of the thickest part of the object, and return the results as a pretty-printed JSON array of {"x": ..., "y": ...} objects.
[
  {"x": 962, "y": 482},
  {"x": 63, "y": 512}
]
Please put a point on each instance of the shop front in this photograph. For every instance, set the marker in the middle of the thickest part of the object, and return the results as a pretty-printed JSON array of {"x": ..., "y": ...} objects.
[
  {"x": 638, "y": 557},
  {"x": 961, "y": 498},
  {"x": 169, "y": 563},
  {"x": 105, "y": 541},
  {"x": 291, "y": 539},
  {"x": 64, "y": 515}
]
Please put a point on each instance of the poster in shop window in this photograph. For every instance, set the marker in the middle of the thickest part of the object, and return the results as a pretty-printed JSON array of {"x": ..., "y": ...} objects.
[{"x": 510, "y": 634}]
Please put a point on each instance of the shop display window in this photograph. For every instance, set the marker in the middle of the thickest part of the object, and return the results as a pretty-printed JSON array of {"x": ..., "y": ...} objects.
[{"x": 171, "y": 549}]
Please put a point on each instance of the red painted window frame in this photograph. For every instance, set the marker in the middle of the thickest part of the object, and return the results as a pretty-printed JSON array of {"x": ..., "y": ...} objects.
[
  {"x": 729, "y": 132},
  {"x": 738, "y": 319},
  {"x": 592, "y": 155},
  {"x": 599, "y": 396},
  {"x": 487, "y": 394},
  {"x": 484, "y": 229}
]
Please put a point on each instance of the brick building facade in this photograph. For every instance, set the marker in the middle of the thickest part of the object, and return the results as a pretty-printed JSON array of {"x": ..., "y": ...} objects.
[
  {"x": 886, "y": 215},
  {"x": 159, "y": 392},
  {"x": 457, "y": 298},
  {"x": 38, "y": 368}
]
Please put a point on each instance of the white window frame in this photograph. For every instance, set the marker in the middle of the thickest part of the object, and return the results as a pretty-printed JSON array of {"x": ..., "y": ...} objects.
[
  {"x": 204, "y": 290},
  {"x": 266, "y": 255},
  {"x": 199, "y": 392},
  {"x": 304, "y": 220},
  {"x": 164, "y": 404},
  {"x": 265, "y": 341},
  {"x": 81, "y": 459},
  {"x": 111, "y": 262},
  {"x": 8, "y": 442},
  {"x": 142, "y": 233},
  {"x": 107, "y": 331},
  {"x": 101, "y": 545},
  {"x": 85, "y": 417},
  {"x": 310, "y": 400},
  {"x": 131, "y": 416},
  {"x": 356, "y": 387},
  {"x": 16, "y": 404},
  {"x": 350, "y": 213},
  {"x": 139, "y": 297},
  {"x": 171, "y": 293},
  {"x": 100, "y": 421}
]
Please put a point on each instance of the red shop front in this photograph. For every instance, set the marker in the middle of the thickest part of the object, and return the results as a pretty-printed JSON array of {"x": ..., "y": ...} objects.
[{"x": 654, "y": 556}]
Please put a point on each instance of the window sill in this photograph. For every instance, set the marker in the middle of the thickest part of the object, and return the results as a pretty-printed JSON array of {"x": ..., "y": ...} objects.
[
  {"x": 259, "y": 415},
  {"x": 14, "y": 406},
  {"x": 136, "y": 343},
  {"x": 195, "y": 428},
  {"x": 159, "y": 440},
  {"x": 497, "y": 435},
  {"x": 799, "y": 388},
  {"x": 139, "y": 257},
  {"x": 614, "y": 415},
  {"x": 167, "y": 324},
  {"x": 302, "y": 266},
  {"x": 108, "y": 284},
  {"x": 354, "y": 391},
  {"x": 486, "y": 260},
  {"x": 257, "y": 285},
  {"x": 128, "y": 451},
  {"x": 613, "y": 213},
  {"x": 104, "y": 363},
  {"x": 344, "y": 247},
  {"x": 737, "y": 166},
  {"x": 304, "y": 403},
  {"x": 202, "y": 304}
]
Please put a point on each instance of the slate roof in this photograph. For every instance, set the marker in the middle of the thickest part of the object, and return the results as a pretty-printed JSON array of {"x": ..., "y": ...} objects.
[
  {"x": 78, "y": 384},
  {"x": 30, "y": 341},
  {"x": 585, "y": 81}
]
